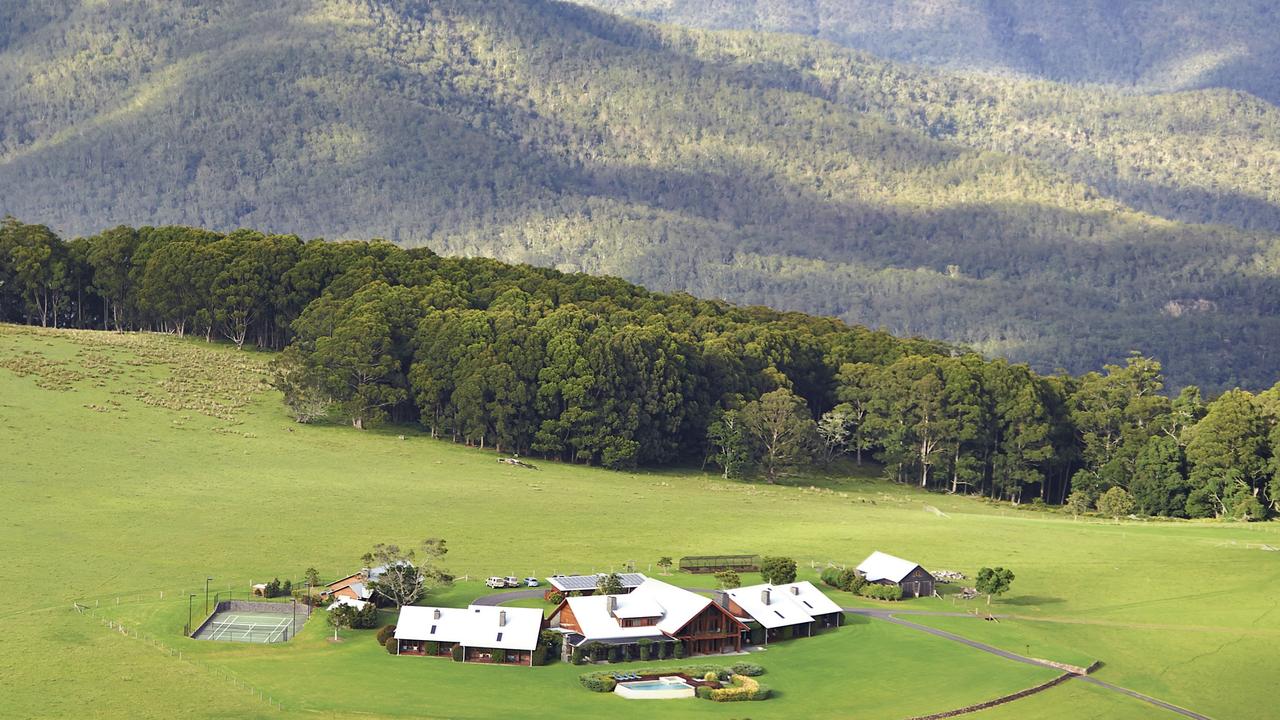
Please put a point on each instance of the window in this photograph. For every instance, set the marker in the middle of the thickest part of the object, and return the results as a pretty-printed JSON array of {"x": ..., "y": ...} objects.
[
  {"x": 433, "y": 630},
  {"x": 499, "y": 637}
]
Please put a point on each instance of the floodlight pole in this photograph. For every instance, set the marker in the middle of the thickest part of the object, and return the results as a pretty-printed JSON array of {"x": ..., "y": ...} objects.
[{"x": 206, "y": 595}]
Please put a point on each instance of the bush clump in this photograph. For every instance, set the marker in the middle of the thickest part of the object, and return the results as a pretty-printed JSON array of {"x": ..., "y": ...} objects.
[
  {"x": 392, "y": 645},
  {"x": 746, "y": 668},
  {"x": 741, "y": 688},
  {"x": 597, "y": 682},
  {"x": 703, "y": 692},
  {"x": 456, "y": 653},
  {"x": 881, "y": 592},
  {"x": 385, "y": 632}
]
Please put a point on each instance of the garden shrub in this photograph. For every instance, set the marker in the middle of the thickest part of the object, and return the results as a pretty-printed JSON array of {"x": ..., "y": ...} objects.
[
  {"x": 711, "y": 676},
  {"x": 597, "y": 682},
  {"x": 741, "y": 688},
  {"x": 456, "y": 653},
  {"x": 540, "y": 655},
  {"x": 366, "y": 618},
  {"x": 881, "y": 592},
  {"x": 703, "y": 692},
  {"x": 392, "y": 645},
  {"x": 385, "y": 632},
  {"x": 762, "y": 692},
  {"x": 746, "y": 668},
  {"x": 677, "y": 650},
  {"x": 830, "y": 576},
  {"x": 577, "y": 657},
  {"x": 615, "y": 654},
  {"x": 433, "y": 647},
  {"x": 850, "y": 580},
  {"x": 555, "y": 598},
  {"x": 646, "y": 649}
]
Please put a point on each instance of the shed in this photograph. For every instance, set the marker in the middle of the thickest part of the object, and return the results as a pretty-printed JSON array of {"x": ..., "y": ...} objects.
[{"x": 885, "y": 569}]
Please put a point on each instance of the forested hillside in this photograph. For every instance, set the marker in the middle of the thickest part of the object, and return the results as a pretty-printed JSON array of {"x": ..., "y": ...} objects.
[
  {"x": 758, "y": 169},
  {"x": 1145, "y": 44},
  {"x": 599, "y": 371}
]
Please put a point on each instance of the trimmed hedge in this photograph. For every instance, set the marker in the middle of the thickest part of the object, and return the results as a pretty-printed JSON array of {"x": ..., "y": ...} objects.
[
  {"x": 456, "y": 653},
  {"x": 385, "y": 632},
  {"x": 746, "y": 668},
  {"x": 743, "y": 688},
  {"x": 391, "y": 645}
]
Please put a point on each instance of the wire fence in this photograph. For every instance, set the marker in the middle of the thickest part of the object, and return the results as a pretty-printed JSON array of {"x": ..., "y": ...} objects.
[{"x": 99, "y": 614}]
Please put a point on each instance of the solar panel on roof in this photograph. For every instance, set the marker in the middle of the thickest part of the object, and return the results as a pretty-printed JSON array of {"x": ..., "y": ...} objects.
[{"x": 589, "y": 582}]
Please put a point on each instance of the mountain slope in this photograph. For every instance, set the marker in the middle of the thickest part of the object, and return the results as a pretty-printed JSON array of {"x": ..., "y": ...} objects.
[
  {"x": 1143, "y": 44},
  {"x": 752, "y": 168}
]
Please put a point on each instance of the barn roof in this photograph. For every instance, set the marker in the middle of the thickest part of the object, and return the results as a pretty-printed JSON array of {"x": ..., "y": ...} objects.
[{"x": 882, "y": 566}]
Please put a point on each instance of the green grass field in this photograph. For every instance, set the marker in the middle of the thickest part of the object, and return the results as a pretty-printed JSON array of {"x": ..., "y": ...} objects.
[{"x": 136, "y": 465}]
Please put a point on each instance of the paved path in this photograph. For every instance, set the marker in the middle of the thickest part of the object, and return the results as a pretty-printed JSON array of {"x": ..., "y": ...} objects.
[{"x": 891, "y": 616}]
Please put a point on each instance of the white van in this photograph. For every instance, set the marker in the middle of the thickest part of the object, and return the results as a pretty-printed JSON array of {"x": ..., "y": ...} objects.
[{"x": 496, "y": 582}]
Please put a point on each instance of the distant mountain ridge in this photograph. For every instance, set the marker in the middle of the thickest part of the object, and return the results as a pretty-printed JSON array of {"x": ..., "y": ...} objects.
[
  {"x": 1148, "y": 45},
  {"x": 1048, "y": 224}
]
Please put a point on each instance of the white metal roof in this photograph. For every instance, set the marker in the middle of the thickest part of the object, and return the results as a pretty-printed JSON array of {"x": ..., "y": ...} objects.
[
  {"x": 344, "y": 600},
  {"x": 674, "y": 606},
  {"x": 638, "y": 608},
  {"x": 882, "y": 566},
  {"x": 474, "y": 626},
  {"x": 790, "y": 604}
]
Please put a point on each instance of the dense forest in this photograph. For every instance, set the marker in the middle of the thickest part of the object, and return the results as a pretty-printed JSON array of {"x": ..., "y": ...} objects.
[
  {"x": 1142, "y": 44},
  {"x": 1047, "y": 224},
  {"x": 597, "y": 370}
]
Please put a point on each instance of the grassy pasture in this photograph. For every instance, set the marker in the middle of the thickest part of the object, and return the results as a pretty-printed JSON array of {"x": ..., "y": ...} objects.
[{"x": 138, "y": 464}]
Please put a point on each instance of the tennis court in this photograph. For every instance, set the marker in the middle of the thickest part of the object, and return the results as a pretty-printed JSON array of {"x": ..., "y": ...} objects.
[{"x": 261, "y": 623}]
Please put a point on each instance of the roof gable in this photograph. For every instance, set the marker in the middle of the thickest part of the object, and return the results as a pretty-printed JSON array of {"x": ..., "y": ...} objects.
[{"x": 674, "y": 606}]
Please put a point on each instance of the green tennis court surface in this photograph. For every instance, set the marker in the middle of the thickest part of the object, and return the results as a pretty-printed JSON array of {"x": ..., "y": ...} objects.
[{"x": 255, "y": 627}]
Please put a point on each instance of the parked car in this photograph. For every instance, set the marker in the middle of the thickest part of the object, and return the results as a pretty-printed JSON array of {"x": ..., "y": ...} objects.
[
  {"x": 512, "y": 581},
  {"x": 496, "y": 582},
  {"x": 531, "y": 582}
]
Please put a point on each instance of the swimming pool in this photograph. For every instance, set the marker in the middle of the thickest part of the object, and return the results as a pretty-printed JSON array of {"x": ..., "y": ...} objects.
[{"x": 665, "y": 688}]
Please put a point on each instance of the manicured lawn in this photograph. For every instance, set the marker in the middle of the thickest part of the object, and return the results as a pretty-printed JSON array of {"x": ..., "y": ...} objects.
[{"x": 139, "y": 464}]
